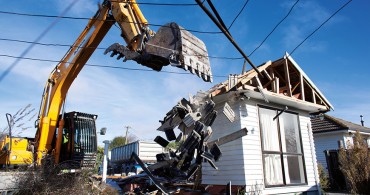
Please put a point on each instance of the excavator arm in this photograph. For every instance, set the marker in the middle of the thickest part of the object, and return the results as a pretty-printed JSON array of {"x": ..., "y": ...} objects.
[
  {"x": 170, "y": 45},
  {"x": 61, "y": 79}
]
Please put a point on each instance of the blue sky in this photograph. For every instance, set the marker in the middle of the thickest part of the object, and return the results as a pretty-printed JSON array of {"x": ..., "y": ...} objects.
[{"x": 335, "y": 57}]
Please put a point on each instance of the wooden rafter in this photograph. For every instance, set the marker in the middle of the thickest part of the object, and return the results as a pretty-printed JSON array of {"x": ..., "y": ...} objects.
[
  {"x": 273, "y": 84},
  {"x": 302, "y": 86},
  {"x": 279, "y": 75},
  {"x": 267, "y": 75},
  {"x": 268, "y": 83},
  {"x": 258, "y": 81},
  {"x": 277, "y": 85},
  {"x": 295, "y": 87},
  {"x": 283, "y": 77},
  {"x": 287, "y": 78}
]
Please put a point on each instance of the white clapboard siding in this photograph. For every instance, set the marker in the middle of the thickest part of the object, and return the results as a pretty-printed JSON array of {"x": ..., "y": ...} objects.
[
  {"x": 326, "y": 142},
  {"x": 231, "y": 165},
  {"x": 241, "y": 161},
  {"x": 308, "y": 149},
  {"x": 252, "y": 147}
]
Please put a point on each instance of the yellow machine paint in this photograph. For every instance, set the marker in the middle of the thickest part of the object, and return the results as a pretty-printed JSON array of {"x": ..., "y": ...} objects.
[
  {"x": 19, "y": 154},
  {"x": 171, "y": 45}
]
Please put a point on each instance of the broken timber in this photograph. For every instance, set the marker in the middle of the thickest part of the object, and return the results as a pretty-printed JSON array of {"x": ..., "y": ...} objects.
[{"x": 228, "y": 138}]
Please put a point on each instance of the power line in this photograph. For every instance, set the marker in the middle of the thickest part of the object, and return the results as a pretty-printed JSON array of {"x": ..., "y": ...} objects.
[
  {"x": 100, "y": 48},
  {"x": 101, "y": 66},
  {"x": 46, "y": 44},
  {"x": 320, "y": 26},
  {"x": 7, "y": 71},
  {"x": 274, "y": 28},
  {"x": 85, "y": 18},
  {"x": 161, "y": 4},
  {"x": 236, "y": 17},
  {"x": 228, "y": 36}
]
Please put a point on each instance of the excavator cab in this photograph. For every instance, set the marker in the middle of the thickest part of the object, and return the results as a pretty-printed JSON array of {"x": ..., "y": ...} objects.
[{"x": 79, "y": 144}]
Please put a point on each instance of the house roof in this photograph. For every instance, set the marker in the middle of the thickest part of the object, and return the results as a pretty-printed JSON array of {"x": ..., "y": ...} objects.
[
  {"x": 331, "y": 124},
  {"x": 283, "y": 79}
]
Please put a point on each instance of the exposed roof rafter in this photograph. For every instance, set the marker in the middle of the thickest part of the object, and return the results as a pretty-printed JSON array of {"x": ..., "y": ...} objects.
[{"x": 283, "y": 77}]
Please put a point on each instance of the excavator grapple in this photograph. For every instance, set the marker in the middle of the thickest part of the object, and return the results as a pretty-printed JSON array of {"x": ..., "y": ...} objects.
[{"x": 173, "y": 45}]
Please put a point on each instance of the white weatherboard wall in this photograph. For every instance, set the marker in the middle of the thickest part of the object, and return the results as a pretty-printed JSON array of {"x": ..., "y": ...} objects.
[
  {"x": 231, "y": 166},
  {"x": 241, "y": 161},
  {"x": 326, "y": 142}
]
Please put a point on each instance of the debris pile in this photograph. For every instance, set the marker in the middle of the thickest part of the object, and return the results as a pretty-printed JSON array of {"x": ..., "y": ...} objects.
[
  {"x": 175, "y": 170},
  {"x": 179, "y": 170}
]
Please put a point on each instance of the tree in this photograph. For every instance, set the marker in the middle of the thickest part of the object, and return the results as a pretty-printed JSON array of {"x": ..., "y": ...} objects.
[
  {"x": 173, "y": 145},
  {"x": 19, "y": 120},
  {"x": 354, "y": 162},
  {"x": 99, "y": 158},
  {"x": 119, "y": 141}
]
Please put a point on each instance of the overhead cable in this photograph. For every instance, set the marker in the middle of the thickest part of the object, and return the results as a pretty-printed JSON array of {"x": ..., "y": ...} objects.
[
  {"x": 274, "y": 28},
  {"x": 214, "y": 10},
  {"x": 101, "y": 66},
  {"x": 320, "y": 26},
  {"x": 45, "y": 44},
  {"x": 160, "y": 4},
  {"x": 236, "y": 17},
  {"x": 85, "y": 18},
  {"x": 101, "y": 48},
  {"x": 210, "y": 15},
  {"x": 7, "y": 71}
]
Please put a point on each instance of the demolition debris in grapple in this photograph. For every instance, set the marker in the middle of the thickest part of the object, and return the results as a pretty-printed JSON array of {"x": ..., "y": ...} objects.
[{"x": 173, "y": 45}]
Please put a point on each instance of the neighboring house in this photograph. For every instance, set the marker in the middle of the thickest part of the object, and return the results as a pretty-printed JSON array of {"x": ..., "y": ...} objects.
[
  {"x": 331, "y": 133},
  {"x": 277, "y": 156}
]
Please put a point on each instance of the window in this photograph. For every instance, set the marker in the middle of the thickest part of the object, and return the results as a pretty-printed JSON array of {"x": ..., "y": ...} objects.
[{"x": 283, "y": 160}]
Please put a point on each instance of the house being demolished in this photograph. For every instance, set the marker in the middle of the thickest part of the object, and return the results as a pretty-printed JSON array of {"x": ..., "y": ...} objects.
[{"x": 251, "y": 133}]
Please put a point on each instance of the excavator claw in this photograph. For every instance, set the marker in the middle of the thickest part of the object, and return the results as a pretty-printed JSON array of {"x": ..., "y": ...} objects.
[{"x": 173, "y": 45}]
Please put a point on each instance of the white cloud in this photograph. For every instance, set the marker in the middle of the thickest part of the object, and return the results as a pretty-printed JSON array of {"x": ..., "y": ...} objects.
[
  {"x": 80, "y": 8},
  {"x": 305, "y": 18}
]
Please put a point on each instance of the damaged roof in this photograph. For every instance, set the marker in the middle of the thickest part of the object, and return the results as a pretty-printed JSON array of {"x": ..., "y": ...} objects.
[
  {"x": 282, "y": 79},
  {"x": 330, "y": 124}
]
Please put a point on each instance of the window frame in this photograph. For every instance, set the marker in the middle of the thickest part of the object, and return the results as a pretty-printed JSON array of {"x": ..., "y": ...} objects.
[{"x": 281, "y": 153}]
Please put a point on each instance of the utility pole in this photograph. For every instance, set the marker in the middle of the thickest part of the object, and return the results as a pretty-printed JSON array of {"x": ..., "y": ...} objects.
[
  {"x": 10, "y": 120},
  {"x": 105, "y": 160},
  {"x": 127, "y": 127}
]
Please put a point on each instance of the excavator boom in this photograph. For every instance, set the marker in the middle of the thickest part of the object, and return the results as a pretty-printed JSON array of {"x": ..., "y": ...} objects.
[{"x": 172, "y": 44}]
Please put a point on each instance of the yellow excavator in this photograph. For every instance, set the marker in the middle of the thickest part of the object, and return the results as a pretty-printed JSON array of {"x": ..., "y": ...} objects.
[{"x": 170, "y": 45}]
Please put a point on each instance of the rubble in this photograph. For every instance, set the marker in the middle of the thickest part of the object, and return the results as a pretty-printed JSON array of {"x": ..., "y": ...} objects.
[{"x": 178, "y": 171}]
